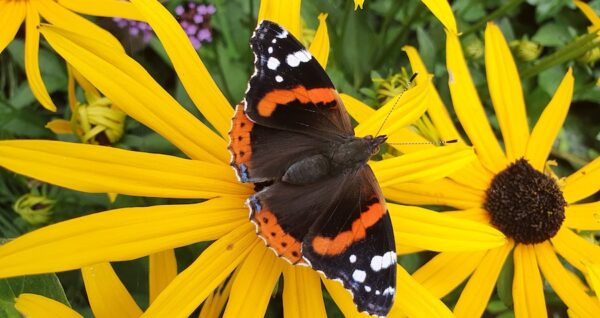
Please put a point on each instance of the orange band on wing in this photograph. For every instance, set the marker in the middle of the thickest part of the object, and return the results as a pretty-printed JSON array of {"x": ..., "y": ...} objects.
[
  {"x": 275, "y": 237},
  {"x": 271, "y": 100},
  {"x": 239, "y": 144},
  {"x": 338, "y": 244}
]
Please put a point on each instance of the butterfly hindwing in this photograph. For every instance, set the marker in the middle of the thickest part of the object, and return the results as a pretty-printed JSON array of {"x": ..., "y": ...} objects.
[
  {"x": 353, "y": 242},
  {"x": 284, "y": 213},
  {"x": 289, "y": 89}
]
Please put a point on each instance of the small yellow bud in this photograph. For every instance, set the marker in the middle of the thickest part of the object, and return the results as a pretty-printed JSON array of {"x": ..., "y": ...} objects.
[
  {"x": 98, "y": 121},
  {"x": 34, "y": 209},
  {"x": 474, "y": 47},
  {"x": 526, "y": 50}
]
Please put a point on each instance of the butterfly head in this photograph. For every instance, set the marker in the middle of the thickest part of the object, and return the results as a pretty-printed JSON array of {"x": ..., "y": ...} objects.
[{"x": 374, "y": 143}]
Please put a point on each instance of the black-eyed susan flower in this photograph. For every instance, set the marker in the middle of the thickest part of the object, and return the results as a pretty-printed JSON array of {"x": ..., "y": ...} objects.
[
  {"x": 511, "y": 189},
  {"x": 130, "y": 233},
  {"x": 62, "y": 14}
]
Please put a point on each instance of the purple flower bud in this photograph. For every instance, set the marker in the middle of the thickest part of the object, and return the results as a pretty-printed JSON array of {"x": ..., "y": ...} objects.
[{"x": 179, "y": 10}]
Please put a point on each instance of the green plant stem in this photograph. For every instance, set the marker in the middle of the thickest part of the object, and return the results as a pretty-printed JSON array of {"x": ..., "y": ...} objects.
[
  {"x": 568, "y": 52},
  {"x": 496, "y": 14},
  {"x": 417, "y": 10}
]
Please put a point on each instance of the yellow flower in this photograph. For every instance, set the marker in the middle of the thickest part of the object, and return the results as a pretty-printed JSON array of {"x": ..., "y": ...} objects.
[
  {"x": 511, "y": 189},
  {"x": 130, "y": 233},
  {"x": 59, "y": 13}
]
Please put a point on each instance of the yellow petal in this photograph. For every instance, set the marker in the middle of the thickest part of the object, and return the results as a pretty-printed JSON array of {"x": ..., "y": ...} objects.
[
  {"x": 550, "y": 122},
  {"x": 422, "y": 166},
  {"x": 469, "y": 109},
  {"x": 575, "y": 249},
  {"x": 437, "y": 111},
  {"x": 564, "y": 284},
  {"x": 593, "y": 271},
  {"x": 357, "y": 109},
  {"x": 319, "y": 47},
  {"x": 129, "y": 85},
  {"x": 119, "y": 235},
  {"x": 442, "y": 10},
  {"x": 194, "y": 76},
  {"x": 195, "y": 283},
  {"x": 583, "y": 183},
  {"x": 106, "y": 293},
  {"x": 478, "y": 290},
  {"x": 36, "y": 306},
  {"x": 528, "y": 289},
  {"x": 32, "y": 64},
  {"x": 103, "y": 8},
  {"x": 474, "y": 214},
  {"x": 284, "y": 13},
  {"x": 589, "y": 13},
  {"x": 12, "y": 14},
  {"x": 439, "y": 192},
  {"x": 474, "y": 175},
  {"x": 406, "y": 140},
  {"x": 584, "y": 216},
  {"x": 253, "y": 285},
  {"x": 415, "y": 300},
  {"x": 60, "y": 126},
  {"x": 419, "y": 227},
  {"x": 506, "y": 92},
  {"x": 92, "y": 168},
  {"x": 408, "y": 107},
  {"x": 162, "y": 267},
  {"x": 443, "y": 273},
  {"x": 65, "y": 19},
  {"x": 213, "y": 306},
  {"x": 343, "y": 299},
  {"x": 302, "y": 296},
  {"x": 358, "y": 4}
]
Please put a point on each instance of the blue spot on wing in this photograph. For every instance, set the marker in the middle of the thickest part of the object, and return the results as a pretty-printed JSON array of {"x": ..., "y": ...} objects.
[{"x": 244, "y": 176}]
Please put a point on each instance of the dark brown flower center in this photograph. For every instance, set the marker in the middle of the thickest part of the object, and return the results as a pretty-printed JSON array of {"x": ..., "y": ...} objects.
[{"x": 525, "y": 204}]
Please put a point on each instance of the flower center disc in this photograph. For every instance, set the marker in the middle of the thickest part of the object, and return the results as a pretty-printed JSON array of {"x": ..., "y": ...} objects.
[{"x": 525, "y": 204}]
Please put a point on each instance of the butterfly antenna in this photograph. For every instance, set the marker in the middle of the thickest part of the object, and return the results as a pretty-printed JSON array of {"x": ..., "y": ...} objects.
[
  {"x": 394, "y": 106},
  {"x": 437, "y": 143}
]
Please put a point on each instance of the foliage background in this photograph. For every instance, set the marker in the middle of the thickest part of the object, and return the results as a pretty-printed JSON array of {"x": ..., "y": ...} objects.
[{"x": 365, "y": 45}]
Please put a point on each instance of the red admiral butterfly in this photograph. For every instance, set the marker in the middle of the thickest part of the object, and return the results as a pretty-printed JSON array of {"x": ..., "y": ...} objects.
[{"x": 320, "y": 204}]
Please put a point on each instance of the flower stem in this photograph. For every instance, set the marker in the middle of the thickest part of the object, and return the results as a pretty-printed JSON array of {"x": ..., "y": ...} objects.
[
  {"x": 496, "y": 14},
  {"x": 566, "y": 53}
]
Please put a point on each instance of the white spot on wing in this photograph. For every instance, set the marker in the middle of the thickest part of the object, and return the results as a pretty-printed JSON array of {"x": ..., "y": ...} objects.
[
  {"x": 359, "y": 276},
  {"x": 389, "y": 291},
  {"x": 270, "y": 49},
  {"x": 283, "y": 34},
  {"x": 296, "y": 58},
  {"x": 279, "y": 79},
  {"x": 379, "y": 262},
  {"x": 377, "y": 292},
  {"x": 272, "y": 63},
  {"x": 352, "y": 258},
  {"x": 376, "y": 263},
  {"x": 367, "y": 288},
  {"x": 274, "y": 41}
]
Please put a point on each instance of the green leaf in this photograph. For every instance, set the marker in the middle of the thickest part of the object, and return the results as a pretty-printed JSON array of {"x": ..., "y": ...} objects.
[
  {"x": 426, "y": 48},
  {"x": 552, "y": 34},
  {"x": 504, "y": 283},
  {"x": 46, "y": 285}
]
